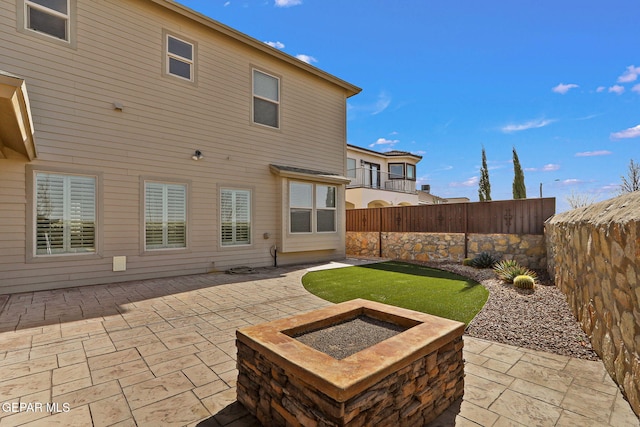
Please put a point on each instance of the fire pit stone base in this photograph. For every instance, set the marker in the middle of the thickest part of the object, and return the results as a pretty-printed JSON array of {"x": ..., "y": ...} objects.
[{"x": 396, "y": 382}]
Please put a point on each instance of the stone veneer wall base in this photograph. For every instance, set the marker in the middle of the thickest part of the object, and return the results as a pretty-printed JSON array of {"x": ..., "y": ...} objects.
[{"x": 594, "y": 257}]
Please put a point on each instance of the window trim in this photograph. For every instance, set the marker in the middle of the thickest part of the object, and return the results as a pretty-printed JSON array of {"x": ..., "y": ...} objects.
[
  {"x": 234, "y": 244},
  {"x": 277, "y": 103},
  {"x": 32, "y": 234},
  {"x": 70, "y": 17},
  {"x": 396, "y": 176},
  {"x": 143, "y": 224},
  {"x": 313, "y": 209},
  {"x": 166, "y": 56}
]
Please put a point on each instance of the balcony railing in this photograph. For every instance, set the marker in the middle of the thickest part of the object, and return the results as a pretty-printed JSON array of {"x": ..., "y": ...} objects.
[{"x": 378, "y": 180}]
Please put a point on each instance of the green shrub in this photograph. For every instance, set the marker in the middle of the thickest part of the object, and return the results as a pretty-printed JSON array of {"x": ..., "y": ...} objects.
[
  {"x": 523, "y": 282},
  {"x": 466, "y": 261},
  {"x": 484, "y": 260},
  {"x": 508, "y": 269}
]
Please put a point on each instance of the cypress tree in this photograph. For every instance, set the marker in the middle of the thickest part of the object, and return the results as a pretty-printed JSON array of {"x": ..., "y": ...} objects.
[
  {"x": 519, "y": 189},
  {"x": 484, "y": 192}
]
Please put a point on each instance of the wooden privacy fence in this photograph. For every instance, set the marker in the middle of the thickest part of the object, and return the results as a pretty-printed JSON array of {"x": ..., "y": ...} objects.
[{"x": 522, "y": 216}]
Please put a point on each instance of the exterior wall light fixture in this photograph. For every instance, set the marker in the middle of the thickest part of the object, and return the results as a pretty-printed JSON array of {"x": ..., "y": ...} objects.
[{"x": 197, "y": 155}]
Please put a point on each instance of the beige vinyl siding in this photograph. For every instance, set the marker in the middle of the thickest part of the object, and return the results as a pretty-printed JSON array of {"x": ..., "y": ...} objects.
[{"x": 119, "y": 58}]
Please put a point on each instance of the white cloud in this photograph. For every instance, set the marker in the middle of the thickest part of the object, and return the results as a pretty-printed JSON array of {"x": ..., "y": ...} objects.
[
  {"x": 636, "y": 88},
  {"x": 549, "y": 167},
  {"x": 633, "y": 132},
  {"x": 384, "y": 141},
  {"x": 467, "y": 183},
  {"x": 630, "y": 74},
  {"x": 382, "y": 103},
  {"x": 564, "y": 88},
  {"x": 227, "y": 4},
  {"x": 306, "y": 58},
  {"x": 601, "y": 89},
  {"x": 617, "y": 89},
  {"x": 571, "y": 181},
  {"x": 277, "y": 45},
  {"x": 287, "y": 3},
  {"x": 531, "y": 124},
  {"x": 593, "y": 153}
]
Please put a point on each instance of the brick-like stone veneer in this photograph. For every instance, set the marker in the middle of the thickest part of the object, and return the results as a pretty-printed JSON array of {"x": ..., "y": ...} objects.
[
  {"x": 594, "y": 257},
  {"x": 528, "y": 249},
  {"x": 406, "y": 380}
]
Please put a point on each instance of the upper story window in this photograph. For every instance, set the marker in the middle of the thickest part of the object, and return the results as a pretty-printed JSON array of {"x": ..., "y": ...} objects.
[
  {"x": 351, "y": 167},
  {"x": 266, "y": 99},
  {"x": 402, "y": 171},
  {"x": 180, "y": 58},
  {"x": 65, "y": 214},
  {"x": 51, "y": 17},
  {"x": 411, "y": 172},
  {"x": 396, "y": 170}
]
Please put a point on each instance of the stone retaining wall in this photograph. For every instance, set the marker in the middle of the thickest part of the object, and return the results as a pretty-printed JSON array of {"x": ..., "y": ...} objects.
[
  {"x": 411, "y": 396},
  {"x": 528, "y": 249},
  {"x": 594, "y": 257}
]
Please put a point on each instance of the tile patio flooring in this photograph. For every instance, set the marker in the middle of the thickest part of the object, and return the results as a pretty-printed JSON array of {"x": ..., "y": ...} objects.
[{"x": 162, "y": 352}]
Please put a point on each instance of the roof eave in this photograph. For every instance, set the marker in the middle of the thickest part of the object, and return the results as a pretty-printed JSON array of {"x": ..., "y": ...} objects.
[
  {"x": 16, "y": 126},
  {"x": 257, "y": 44}
]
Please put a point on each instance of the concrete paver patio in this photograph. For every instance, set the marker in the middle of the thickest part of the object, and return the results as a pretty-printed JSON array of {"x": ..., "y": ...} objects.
[{"x": 162, "y": 352}]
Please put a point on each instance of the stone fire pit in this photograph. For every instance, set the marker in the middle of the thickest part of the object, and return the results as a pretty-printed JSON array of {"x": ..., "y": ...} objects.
[{"x": 409, "y": 378}]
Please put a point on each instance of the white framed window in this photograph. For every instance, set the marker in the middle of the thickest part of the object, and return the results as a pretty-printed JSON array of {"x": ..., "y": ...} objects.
[
  {"x": 235, "y": 217},
  {"x": 50, "y": 17},
  {"x": 266, "y": 99},
  {"x": 65, "y": 214},
  {"x": 180, "y": 58},
  {"x": 312, "y": 207},
  {"x": 165, "y": 215},
  {"x": 351, "y": 167},
  {"x": 325, "y": 208}
]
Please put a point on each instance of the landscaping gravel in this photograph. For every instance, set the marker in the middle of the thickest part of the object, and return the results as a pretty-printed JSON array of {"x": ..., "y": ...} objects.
[{"x": 538, "y": 319}]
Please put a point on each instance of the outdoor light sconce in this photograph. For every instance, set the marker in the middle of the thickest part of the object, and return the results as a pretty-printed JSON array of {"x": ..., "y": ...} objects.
[{"x": 197, "y": 155}]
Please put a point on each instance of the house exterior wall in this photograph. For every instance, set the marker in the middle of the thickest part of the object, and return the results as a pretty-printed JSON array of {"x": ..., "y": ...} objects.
[
  {"x": 396, "y": 192},
  {"x": 117, "y": 56}
]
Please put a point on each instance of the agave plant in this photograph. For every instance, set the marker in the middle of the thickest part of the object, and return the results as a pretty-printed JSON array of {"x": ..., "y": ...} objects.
[
  {"x": 509, "y": 269},
  {"x": 484, "y": 260}
]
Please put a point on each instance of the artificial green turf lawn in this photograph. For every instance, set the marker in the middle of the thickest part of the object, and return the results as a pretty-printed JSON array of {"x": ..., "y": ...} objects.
[{"x": 401, "y": 284}]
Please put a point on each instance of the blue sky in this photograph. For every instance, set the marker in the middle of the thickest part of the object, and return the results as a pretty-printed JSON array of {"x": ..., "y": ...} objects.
[{"x": 558, "y": 80}]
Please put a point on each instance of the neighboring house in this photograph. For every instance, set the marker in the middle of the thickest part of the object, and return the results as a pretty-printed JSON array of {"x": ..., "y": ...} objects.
[
  {"x": 426, "y": 198},
  {"x": 140, "y": 139},
  {"x": 381, "y": 179}
]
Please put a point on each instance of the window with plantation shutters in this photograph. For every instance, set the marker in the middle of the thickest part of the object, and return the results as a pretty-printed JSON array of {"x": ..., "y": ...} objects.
[
  {"x": 235, "y": 217},
  {"x": 165, "y": 215},
  {"x": 65, "y": 214}
]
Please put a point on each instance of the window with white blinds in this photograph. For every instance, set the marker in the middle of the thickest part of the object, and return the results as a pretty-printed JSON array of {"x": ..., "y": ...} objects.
[
  {"x": 235, "y": 217},
  {"x": 65, "y": 214},
  {"x": 165, "y": 215}
]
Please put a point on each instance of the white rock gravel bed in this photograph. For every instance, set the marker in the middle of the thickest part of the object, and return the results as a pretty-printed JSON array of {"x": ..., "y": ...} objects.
[{"x": 538, "y": 320}]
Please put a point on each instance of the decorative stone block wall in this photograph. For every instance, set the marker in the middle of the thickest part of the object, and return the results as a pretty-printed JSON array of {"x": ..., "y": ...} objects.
[
  {"x": 412, "y": 396},
  {"x": 528, "y": 249},
  {"x": 594, "y": 257}
]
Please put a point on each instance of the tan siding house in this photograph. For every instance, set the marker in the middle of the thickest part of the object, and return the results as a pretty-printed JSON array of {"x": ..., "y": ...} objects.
[{"x": 140, "y": 139}]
